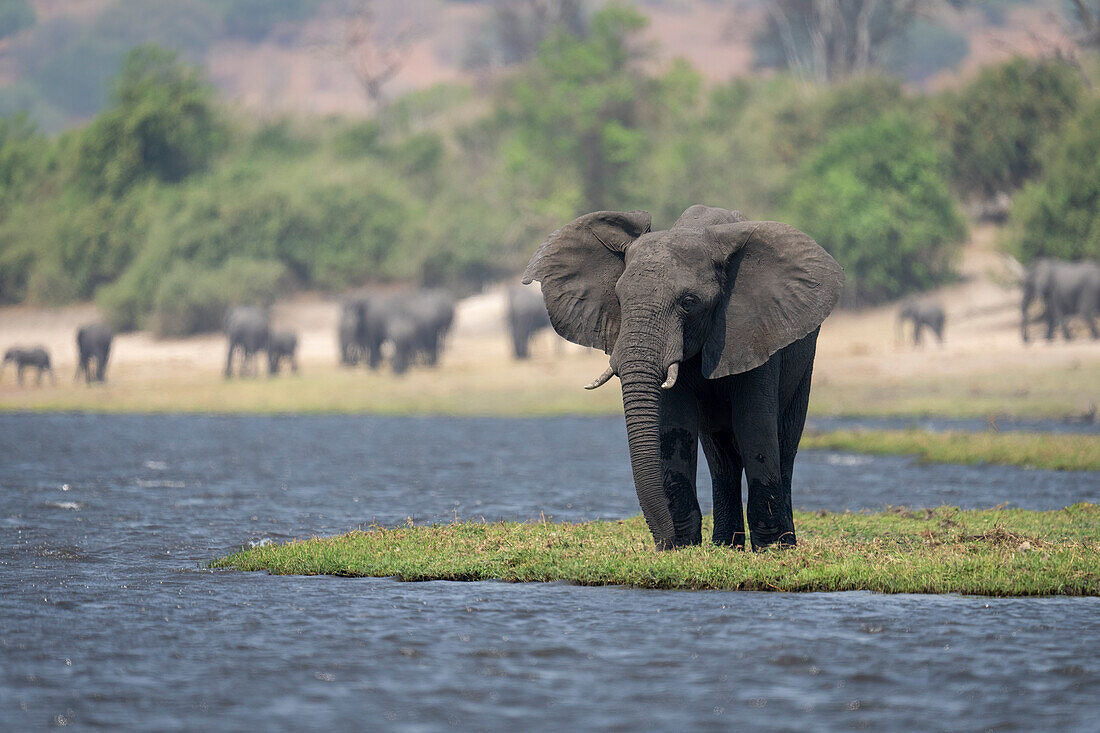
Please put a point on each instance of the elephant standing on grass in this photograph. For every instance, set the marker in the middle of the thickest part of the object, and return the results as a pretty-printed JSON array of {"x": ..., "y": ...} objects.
[
  {"x": 526, "y": 316},
  {"x": 922, "y": 313},
  {"x": 282, "y": 344},
  {"x": 36, "y": 357},
  {"x": 711, "y": 327},
  {"x": 247, "y": 328},
  {"x": 93, "y": 344},
  {"x": 1065, "y": 289}
]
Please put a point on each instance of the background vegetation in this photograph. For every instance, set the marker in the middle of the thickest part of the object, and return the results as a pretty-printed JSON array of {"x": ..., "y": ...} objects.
[{"x": 166, "y": 206}]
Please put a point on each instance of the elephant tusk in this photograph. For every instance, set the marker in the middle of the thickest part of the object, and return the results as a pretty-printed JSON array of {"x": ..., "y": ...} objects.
[
  {"x": 673, "y": 372},
  {"x": 601, "y": 380}
]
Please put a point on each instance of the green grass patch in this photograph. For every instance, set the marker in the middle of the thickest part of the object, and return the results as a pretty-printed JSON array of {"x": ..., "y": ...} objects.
[
  {"x": 996, "y": 552},
  {"x": 1059, "y": 452}
]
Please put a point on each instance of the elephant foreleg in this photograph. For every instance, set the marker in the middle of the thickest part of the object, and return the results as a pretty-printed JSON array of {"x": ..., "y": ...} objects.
[
  {"x": 755, "y": 427},
  {"x": 679, "y": 427},
  {"x": 725, "y": 475}
]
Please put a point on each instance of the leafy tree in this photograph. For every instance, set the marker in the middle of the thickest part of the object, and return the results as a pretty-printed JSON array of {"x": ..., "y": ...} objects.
[
  {"x": 995, "y": 125},
  {"x": 578, "y": 107},
  {"x": 23, "y": 155},
  {"x": 1058, "y": 214},
  {"x": 875, "y": 197},
  {"x": 163, "y": 126}
]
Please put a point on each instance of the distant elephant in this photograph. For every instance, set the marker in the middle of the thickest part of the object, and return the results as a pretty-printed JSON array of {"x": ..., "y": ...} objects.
[
  {"x": 349, "y": 331},
  {"x": 414, "y": 323},
  {"x": 922, "y": 313},
  {"x": 711, "y": 327},
  {"x": 1065, "y": 289},
  {"x": 93, "y": 343},
  {"x": 282, "y": 344},
  {"x": 526, "y": 315},
  {"x": 433, "y": 312},
  {"x": 247, "y": 329},
  {"x": 35, "y": 356}
]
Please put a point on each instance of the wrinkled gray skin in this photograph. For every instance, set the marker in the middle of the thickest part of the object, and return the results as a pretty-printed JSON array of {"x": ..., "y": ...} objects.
[
  {"x": 247, "y": 328},
  {"x": 526, "y": 315},
  {"x": 281, "y": 344},
  {"x": 711, "y": 327},
  {"x": 921, "y": 314},
  {"x": 35, "y": 356},
  {"x": 1065, "y": 289},
  {"x": 93, "y": 344}
]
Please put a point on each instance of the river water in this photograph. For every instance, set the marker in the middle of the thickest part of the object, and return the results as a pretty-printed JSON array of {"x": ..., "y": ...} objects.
[{"x": 108, "y": 619}]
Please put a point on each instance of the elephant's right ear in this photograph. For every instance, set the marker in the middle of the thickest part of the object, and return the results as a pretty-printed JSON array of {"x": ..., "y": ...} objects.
[{"x": 578, "y": 267}]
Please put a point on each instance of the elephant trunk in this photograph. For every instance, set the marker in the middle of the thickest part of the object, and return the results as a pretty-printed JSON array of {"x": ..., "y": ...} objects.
[
  {"x": 641, "y": 385},
  {"x": 645, "y": 364}
]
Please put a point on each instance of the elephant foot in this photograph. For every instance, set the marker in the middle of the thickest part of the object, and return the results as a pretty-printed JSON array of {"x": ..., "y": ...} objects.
[
  {"x": 767, "y": 543},
  {"x": 736, "y": 541}
]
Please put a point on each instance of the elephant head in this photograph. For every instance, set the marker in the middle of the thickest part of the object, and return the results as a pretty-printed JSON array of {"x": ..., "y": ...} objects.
[{"x": 715, "y": 290}]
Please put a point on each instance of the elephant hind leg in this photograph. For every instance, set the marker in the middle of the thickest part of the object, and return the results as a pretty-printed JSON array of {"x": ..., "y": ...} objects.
[
  {"x": 725, "y": 475},
  {"x": 791, "y": 424}
]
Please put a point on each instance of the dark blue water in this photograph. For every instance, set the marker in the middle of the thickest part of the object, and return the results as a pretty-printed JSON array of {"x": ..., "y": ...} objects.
[{"x": 107, "y": 618}]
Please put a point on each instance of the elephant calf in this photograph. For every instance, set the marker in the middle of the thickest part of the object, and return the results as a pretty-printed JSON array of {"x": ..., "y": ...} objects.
[
  {"x": 922, "y": 313},
  {"x": 282, "y": 344},
  {"x": 711, "y": 327},
  {"x": 35, "y": 356}
]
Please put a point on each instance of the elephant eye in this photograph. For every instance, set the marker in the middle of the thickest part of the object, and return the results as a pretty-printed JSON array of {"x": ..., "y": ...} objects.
[{"x": 689, "y": 301}]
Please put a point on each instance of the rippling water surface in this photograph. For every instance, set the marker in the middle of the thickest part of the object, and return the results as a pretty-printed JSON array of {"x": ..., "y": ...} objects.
[{"x": 107, "y": 618}]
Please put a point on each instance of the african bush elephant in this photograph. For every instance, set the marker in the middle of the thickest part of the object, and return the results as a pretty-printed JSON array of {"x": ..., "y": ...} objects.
[
  {"x": 93, "y": 343},
  {"x": 526, "y": 315},
  {"x": 247, "y": 328},
  {"x": 36, "y": 357},
  {"x": 711, "y": 327},
  {"x": 414, "y": 323},
  {"x": 281, "y": 344},
  {"x": 922, "y": 313},
  {"x": 349, "y": 331},
  {"x": 1065, "y": 289}
]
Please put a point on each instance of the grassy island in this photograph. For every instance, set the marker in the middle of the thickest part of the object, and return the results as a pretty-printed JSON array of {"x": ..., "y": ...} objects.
[{"x": 996, "y": 552}]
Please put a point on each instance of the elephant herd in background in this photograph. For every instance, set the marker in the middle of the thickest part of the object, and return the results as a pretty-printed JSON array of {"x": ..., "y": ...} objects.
[
  {"x": 248, "y": 331},
  {"x": 1064, "y": 290},
  {"x": 93, "y": 347},
  {"x": 410, "y": 327}
]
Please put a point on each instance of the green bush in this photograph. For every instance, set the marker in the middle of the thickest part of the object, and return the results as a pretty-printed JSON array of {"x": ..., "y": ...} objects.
[
  {"x": 875, "y": 197},
  {"x": 996, "y": 124},
  {"x": 1058, "y": 215},
  {"x": 193, "y": 300}
]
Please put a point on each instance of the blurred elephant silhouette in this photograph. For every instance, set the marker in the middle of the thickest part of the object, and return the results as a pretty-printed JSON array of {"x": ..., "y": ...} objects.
[
  {"x": 413, "y": 325},
  {"x": 34, "y": 357},
  {"x": 93, "y": 345},
  {"x": 526, "y": 315},
  {"x": 711, "y": 327},
  {"x": 922, "y": 313},
  {"x": 282, "y": 345},
  {"x": 247, "y": 329},
  {"x": 1065, "y": 289}
]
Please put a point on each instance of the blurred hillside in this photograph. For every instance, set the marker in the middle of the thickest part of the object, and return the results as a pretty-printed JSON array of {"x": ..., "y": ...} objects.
[{"x": 271, "y": 57}]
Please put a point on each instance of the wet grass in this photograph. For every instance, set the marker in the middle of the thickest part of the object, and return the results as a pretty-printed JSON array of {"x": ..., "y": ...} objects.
[
  {"x": 1059, "y": 452},
  {"x": 998, "y": 552}
]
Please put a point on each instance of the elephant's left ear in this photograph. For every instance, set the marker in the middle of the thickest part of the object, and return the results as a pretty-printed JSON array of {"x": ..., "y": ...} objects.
[{"x": 780, "y": 287}]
